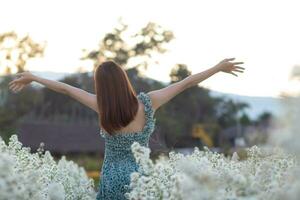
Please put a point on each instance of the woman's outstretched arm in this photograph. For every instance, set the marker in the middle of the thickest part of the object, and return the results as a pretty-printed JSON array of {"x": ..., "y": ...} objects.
[
  {"x": 84, "y": 97},
  {"x": 162, "y": 96}
]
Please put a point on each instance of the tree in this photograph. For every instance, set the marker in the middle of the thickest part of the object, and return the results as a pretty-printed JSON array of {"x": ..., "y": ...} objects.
[
  {"x": 140, "y": 46},
  {"x": 16, "y": 51},
  {"x": 245, "y": 120},
  {"x": 192, "y": 106},
  {"x": 264, "y": 118},
  {"x": 228, "y": 111},
  {"x": 53, "y": 106},
  {"x": 115, "y": 46},
  {"x": 15, "y": 106},
  {"x": 179, "y": 72}
]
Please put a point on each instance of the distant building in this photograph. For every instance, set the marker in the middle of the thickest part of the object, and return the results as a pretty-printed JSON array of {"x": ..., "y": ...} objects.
[
  {"x": 61, "y": 138},
  {"x": 71, "y": 138}
]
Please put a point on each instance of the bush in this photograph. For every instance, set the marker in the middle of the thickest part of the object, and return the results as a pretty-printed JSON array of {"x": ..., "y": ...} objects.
[
  {"x": 29, "y": 176},
  {"x": 265, "y": 174},
  {"x": 269, "y": 172}
]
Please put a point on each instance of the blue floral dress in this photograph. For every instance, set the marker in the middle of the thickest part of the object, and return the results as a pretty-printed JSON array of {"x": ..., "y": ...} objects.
[{"x": 119, "y": 161}]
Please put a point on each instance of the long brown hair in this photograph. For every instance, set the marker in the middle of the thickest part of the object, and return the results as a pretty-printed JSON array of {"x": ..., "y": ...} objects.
[{"x": 117, "y": 101}]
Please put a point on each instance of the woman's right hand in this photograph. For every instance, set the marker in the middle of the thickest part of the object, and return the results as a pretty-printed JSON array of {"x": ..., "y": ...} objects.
[
  {"x": 23, "y": 79},
  {"x": 230, "y": 67}
]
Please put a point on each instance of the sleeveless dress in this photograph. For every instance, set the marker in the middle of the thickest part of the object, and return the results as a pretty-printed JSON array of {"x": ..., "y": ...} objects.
[{"x": 119, "y": 161}]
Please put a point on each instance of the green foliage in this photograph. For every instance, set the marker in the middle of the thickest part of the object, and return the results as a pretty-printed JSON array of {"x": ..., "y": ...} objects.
[
  {"x": 228, "y": 112},
  {"x": 174, "y": 120},
  {"x": 17, "y": 51},
  {"x": 53, "y": 106},
  {"x": 265, "y": 116},
  {"x": 14, "y": 106},
  {"x": 140, "y": 46},
  {"x": 179, "y": 72},
  {"x": 245, "y": 120},
  {"x": 89, "y": 162}
]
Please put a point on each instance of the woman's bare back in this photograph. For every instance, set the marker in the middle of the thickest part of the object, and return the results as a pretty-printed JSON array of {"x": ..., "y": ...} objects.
[{"x": 138, "y": 123}]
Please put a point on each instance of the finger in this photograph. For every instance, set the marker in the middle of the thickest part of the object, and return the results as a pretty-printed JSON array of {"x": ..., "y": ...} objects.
[
  {"x": 229, "y": 59},
  {"x": 237, "y": 63},
  {"x": 14, "y": 87},
  {"x": 12, "y": 82},
  {"x": 233, "y": 74},
  {"x": 237, "y": 70},
  {"x": 23, "y": 87},
  {"x": 20, "y": 88},
  {"x": 238, "y": 67},
  {"x": 10, "y": 87},
  {"x": 15, "y": 81}
]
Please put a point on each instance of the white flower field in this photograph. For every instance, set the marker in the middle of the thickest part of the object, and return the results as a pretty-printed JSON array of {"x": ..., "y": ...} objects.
[
  {"x": 36, "y": 176},
  {"x": 268, "y": 172}
]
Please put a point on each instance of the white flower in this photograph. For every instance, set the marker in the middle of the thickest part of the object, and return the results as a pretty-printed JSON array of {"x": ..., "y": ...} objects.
[
  {"x": 36, "y": 176},
  {"x": 207, "y": 175},
  {"x": 235, "y": 157},
  {"x": 56, "y": 191}
]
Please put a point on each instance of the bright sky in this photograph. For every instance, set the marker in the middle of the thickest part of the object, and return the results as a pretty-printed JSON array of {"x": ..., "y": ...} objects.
[{"x": 265, "y": 34}]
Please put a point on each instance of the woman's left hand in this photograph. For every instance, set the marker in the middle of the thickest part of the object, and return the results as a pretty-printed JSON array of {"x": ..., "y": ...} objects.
[{"x": 230, "y": 67}]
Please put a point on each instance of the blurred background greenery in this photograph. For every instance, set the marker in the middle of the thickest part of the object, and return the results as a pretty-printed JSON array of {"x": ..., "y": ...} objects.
[
  {"x": 157, "y": 43},
  {"x": 193, "y": 118}
]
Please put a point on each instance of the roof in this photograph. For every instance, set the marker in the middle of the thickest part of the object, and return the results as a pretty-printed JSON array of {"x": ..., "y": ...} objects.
[
  {"x": 71, "y": 138},
  {"x": 61, "y": 138}
]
